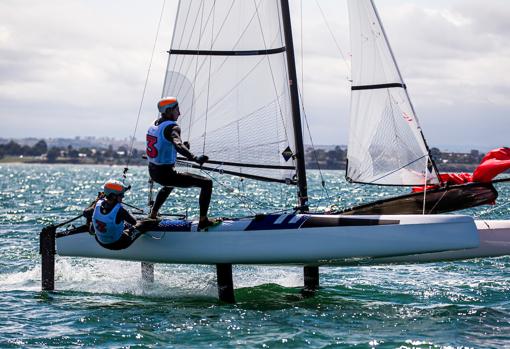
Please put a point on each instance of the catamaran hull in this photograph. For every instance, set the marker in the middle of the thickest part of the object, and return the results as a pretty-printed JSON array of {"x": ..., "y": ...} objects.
[
  {"x": 290, "y": 239},
  {"x": 494, "y": 242}
]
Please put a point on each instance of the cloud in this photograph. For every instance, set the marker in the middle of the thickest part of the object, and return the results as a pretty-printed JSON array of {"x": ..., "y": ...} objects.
[
  {"x": 82, "y": 65},
  {"x": 74, "y": 60}
]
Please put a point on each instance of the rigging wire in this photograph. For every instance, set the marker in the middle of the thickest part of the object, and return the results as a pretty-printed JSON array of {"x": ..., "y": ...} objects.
[
  {"x": 425, "y": 185},
  {"x": 196, "y": 67},
  {"x": 240, "y": 198},
  {"x": 270, "y": 66},
  {"x": 144, "y": 90},
  {"x": 323, "y": 182},
  {"x": 301, "y": 89},
  {"x": 180, "y": 40},
  {"x": 347, "y": 65},
  {"x": 209, "y": 80}
]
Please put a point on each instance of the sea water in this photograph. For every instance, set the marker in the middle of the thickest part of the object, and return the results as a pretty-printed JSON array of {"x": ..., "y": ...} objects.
[{"x": 102, "y": 303}]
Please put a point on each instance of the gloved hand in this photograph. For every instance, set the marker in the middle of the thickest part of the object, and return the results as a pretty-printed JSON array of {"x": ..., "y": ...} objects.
[
  {"x": 201, "y": 159},
  {"x": 186, "y": 144}
]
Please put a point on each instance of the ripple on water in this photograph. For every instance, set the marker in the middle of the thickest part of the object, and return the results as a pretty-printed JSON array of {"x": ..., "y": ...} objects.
[{"x": 103, "y": 303}]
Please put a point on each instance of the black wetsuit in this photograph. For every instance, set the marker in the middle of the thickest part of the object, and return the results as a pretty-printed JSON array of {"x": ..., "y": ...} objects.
[
  {"x": 127, "y": 237},
  {"x": 169, "y": 178}
]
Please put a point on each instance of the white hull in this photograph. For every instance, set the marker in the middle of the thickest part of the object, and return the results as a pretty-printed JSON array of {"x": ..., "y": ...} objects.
[
  {"x": 494, "y": 242},
  {"x": 329, "y": 245}
]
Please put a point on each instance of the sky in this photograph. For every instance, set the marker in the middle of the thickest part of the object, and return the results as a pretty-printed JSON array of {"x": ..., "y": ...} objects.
[{"x": 77, "y": 68}]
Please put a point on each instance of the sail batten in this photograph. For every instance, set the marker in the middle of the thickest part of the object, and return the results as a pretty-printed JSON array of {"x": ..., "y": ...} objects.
[
  {"x": 378, "y": 86},
  {"x": 227, "y": 53},
  {"x": 386, "y": 145}
]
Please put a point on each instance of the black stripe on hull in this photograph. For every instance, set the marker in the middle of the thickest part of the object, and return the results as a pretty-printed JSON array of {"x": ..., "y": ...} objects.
[{"x": 335, "y": 221}]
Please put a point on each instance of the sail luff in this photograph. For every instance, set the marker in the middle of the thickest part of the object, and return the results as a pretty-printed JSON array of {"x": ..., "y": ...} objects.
[
  {"x": 430, "y": 159},
  {"x": 296, "y": 115}
]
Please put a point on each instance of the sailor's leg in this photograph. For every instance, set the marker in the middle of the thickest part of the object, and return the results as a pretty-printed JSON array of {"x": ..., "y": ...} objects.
[
  {"x": 160, "y": 200},
  {"x": 205, "y": 196},
  {"x": 186, "y": 180}
]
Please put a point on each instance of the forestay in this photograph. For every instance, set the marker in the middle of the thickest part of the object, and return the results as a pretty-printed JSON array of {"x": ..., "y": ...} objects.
[
  {"x": 227, "y": 67},
  {"x": 386, "y": 144}
]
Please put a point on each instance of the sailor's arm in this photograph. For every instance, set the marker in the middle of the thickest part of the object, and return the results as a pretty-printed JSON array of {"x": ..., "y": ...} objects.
[
  {"x": 87, "y": 213},
  {"x": 126, "y": 216},
  {"x": 173, "y": 134}
]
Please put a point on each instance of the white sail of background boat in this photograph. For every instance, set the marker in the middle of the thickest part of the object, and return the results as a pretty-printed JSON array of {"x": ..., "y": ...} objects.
[
  {"x": 232, "y": 68},
  {"x": 386, "y": 144}
]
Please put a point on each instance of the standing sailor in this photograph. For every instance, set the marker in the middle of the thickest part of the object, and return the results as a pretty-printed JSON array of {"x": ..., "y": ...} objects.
[
  {"x": 163, "y": 143},
  {"x": 108, "y": 218}
]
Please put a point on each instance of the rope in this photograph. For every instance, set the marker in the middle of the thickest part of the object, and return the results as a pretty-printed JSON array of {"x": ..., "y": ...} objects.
[
  {"x": 492, "y": 209},
  {"x": 240, "y": 198},
  {"x": 425, "y": 184},
  {"x": 68, "y": 221},
  {"x": 134, "y": 207},
  {"x": 143, "y": 92}
]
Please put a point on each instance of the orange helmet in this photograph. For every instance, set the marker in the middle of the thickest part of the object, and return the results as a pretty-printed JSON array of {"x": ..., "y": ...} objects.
[
  {"x": 115, "y": 187},
  {"x": 167, "y": 103}
]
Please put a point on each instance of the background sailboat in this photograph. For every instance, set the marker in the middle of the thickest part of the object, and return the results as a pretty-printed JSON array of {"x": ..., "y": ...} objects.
[{"x": 386, "y": 142}]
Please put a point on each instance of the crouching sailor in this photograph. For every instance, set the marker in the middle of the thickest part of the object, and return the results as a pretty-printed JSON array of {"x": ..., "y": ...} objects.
[{"x": 108, "y": 217}]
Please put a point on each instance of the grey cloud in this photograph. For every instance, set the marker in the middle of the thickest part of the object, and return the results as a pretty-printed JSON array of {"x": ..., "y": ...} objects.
[
  {"x": 86, "y": 63},
  {"x": 490, "y": 18}
]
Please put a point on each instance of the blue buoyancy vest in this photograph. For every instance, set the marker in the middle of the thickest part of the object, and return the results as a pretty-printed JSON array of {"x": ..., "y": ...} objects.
[
  {"x": 160, "y": 151},
  {"x": 107, "y": 231}
]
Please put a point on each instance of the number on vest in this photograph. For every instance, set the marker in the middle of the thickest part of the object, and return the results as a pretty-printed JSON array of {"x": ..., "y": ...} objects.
[
  {"x": 152, "y": 152},
  {"x": 101, "y": 226}
]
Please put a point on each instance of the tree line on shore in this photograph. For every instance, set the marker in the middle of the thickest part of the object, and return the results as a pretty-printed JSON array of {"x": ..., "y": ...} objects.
[
  {"x": 40, "y": 152},
  {"x": 334, "y": 158}
]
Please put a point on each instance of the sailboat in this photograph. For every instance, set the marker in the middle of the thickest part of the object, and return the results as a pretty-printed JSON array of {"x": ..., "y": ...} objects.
[{"x": 232, "y": 67}]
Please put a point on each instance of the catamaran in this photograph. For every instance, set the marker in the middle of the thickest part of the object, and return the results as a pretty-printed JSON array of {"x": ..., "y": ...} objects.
[{"x": 232, "y": 67}]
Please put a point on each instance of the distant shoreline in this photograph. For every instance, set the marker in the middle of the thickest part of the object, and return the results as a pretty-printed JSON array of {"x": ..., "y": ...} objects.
[{"x": 27, "y": 160}]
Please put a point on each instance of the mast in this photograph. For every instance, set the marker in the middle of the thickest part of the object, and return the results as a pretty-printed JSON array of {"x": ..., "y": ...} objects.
[{"x": 296, "y": 115}]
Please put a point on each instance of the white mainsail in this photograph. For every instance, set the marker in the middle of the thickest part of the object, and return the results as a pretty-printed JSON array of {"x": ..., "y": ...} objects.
[
  {"x": 386, "y": 145},
  {"x": 227, "y": 67}
]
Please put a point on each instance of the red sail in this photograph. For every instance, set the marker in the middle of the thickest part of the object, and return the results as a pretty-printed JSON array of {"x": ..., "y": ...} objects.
[
  {"x": 495, "y": 162},
  {"x": 449, "y": 179}
]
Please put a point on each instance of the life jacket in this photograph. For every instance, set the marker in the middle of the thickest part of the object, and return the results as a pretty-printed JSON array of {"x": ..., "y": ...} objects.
[
  {"x": 160, "y": 151},
  {"x": 107, "y": 231}
]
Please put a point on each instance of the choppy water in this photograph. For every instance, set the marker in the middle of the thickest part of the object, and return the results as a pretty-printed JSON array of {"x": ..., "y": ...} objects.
[{"x": 102, "y": 303}]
